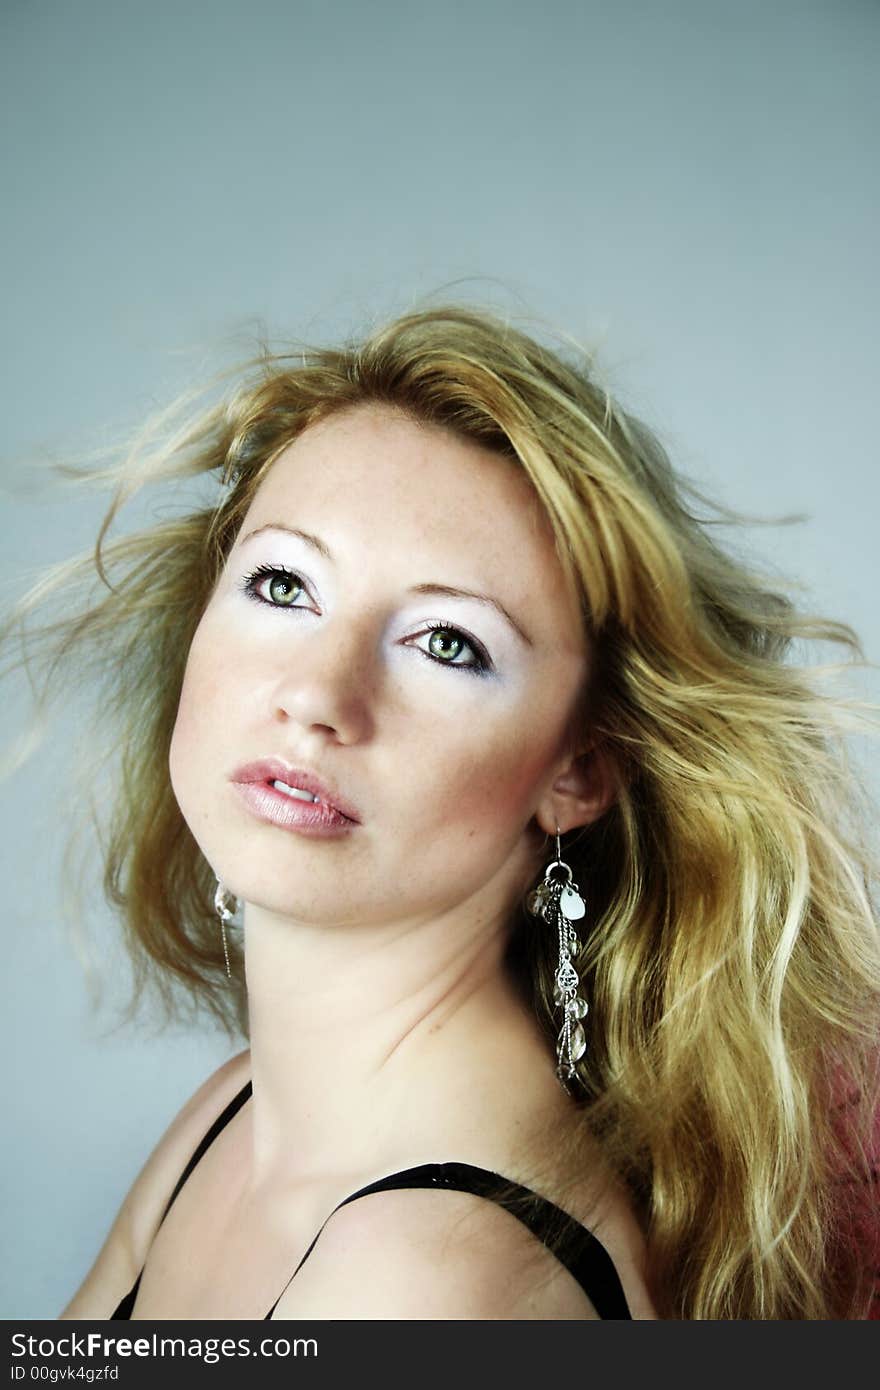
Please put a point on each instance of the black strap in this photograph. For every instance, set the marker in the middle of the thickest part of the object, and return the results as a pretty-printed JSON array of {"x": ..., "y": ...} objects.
[
  {"x": 221, "y": 1122},
  {"x": 124, "y": 1310},
  {"x": 582, "y": 1254}
]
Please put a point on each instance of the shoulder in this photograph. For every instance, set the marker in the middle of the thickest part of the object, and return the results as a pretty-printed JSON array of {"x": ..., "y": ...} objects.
[
  {"x": 418, "y": 1253},
  {"x": 151, "y": 1189},
  {"x": 122, "y": 1254}
]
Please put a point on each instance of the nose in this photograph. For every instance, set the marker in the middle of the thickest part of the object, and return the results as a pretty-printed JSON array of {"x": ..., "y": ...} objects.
[{"x": 327, "y": 683}]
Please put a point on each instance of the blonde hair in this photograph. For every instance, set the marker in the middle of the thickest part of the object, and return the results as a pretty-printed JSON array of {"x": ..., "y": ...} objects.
[{"x": 732, "y": 960}]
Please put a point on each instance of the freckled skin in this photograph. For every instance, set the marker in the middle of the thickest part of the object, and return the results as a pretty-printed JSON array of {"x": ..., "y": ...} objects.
[{"x": 447, "y": 769}]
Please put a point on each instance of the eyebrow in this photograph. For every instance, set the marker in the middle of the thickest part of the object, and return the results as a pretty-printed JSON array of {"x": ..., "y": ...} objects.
[
  {"x": 445, "y": 590},
  {"x": 306, "y": 536}
]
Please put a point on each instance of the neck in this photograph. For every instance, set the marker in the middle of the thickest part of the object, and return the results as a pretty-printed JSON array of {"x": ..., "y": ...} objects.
[{"x": 383, "y": 1046}]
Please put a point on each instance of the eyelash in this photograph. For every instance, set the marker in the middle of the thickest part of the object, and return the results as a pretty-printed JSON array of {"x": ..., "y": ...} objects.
[{"x": 480, "y": 667}]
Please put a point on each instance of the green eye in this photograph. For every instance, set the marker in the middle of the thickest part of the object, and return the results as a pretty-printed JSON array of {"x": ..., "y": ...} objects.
[
  {"x": 283, "y": 589},
  {"x": 275, "y": 586},
  {"x": 452, "y": 648},
  {"x": 445, "y": 645}
]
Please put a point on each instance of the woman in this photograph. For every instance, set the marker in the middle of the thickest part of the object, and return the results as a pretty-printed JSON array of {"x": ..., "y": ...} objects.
[{"x": 559, "y": 968}]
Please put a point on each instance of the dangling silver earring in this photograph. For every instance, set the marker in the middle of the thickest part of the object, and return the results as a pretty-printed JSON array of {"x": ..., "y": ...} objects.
[
  {"x": 557, "y": 901},
  {"x": 226, "y": 906}
]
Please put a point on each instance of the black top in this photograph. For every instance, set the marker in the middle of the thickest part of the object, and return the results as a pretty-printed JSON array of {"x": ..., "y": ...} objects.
[{"x": 578, "y": 1250}]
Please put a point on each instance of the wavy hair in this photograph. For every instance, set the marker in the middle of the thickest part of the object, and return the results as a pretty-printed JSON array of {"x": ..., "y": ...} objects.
[{"x": 732, "y": 959}]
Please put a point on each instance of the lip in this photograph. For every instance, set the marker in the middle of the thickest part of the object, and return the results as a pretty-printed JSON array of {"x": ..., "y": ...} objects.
[{"x": 256, "y": 778}]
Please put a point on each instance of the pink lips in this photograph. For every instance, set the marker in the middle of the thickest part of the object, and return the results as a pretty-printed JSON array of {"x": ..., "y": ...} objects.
[{"x": 328, "y": 815}]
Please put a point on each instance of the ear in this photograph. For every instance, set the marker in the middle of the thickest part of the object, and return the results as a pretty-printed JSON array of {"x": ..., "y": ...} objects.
[{"x": 581, "y": 792}]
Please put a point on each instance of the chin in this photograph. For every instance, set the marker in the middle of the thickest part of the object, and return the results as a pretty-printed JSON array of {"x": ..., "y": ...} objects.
[{"x": 302, "y": 898}]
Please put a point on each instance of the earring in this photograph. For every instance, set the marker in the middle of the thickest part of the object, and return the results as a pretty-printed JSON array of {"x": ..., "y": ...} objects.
[
  {"x": 557, "y": 901},
  {"x": 226, "y": 906}
]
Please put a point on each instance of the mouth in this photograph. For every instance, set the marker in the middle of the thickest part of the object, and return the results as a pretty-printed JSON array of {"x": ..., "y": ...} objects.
[
  {"x": 296, "y": 785},
  {"x": 296, "y": 792}
]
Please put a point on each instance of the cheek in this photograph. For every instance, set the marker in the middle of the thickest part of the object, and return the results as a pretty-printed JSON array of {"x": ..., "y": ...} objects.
[
  {"x": 493, "y": 781},
  {"x": 467, "y": 821},
  {"x": 180, "y": 753},
  {"x": 196, "y": 716}
]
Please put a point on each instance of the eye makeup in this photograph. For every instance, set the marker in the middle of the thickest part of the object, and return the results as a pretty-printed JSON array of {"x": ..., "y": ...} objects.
[{"x": 481, "y": 664}]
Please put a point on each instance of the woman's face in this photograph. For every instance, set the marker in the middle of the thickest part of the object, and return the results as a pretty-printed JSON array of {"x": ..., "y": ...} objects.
[{"x": 411, "y": 644}]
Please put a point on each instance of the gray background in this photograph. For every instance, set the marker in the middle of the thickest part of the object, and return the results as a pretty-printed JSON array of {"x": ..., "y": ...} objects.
[{"x": 691, "y": 187}]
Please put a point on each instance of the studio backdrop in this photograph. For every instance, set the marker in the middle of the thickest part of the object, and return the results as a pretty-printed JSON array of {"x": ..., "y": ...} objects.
[{"x": 689, "y": 189}]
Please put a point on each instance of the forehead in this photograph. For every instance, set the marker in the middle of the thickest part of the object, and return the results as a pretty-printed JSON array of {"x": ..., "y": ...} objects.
[{"x": 373, "y": 482}]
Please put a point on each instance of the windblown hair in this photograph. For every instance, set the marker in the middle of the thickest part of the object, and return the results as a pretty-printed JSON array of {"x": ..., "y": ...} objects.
[{"x": 732, "y": 960}]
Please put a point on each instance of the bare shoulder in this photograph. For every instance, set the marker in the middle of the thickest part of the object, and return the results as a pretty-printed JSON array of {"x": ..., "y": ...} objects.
[
  {"x": 418, "y": 1253},
  {"x": 121, "y": 1257}
]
